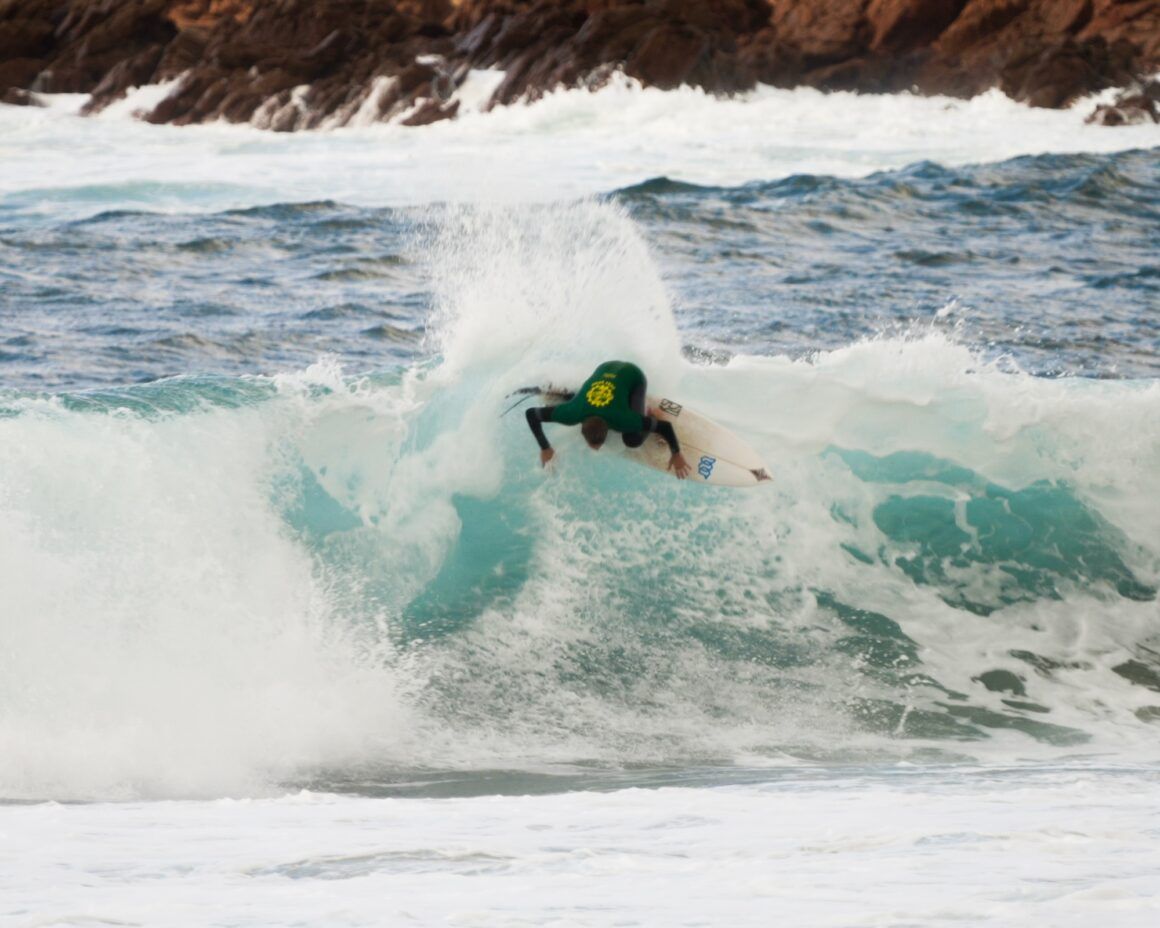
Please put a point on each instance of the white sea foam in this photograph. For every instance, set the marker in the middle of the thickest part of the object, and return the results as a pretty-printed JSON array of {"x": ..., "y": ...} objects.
[
  {"x": 566, "y": 145},
  {"x": 175, "y": 629},
  {"x": 164, "y": 632},
  {"x": 1067, "y": 848}
]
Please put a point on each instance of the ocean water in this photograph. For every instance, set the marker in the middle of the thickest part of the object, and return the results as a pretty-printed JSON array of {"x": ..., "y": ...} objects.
[{"x": 294, "y": 629}]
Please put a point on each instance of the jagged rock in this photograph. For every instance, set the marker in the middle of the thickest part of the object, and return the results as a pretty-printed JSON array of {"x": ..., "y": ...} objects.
[
  {"x": 20, "y": 73},
  {"x": 191, "y": 89},
  {"x": 431, "y": 111},
  {"x": 97, "y": 37},
  {"x": 904, "y": 25},
  {"x": 1130, "y": 108},
  {"x": 1055, "y": 76},
  {"x": 823, "y": 32},
  {"x": 666, "y": 56},
  {"x": 14, "y": 96},
  {"x": 24, "y": 37},
  {"x": 1136, "y": 21},
  {"x": 1067, "y": 17},
  {"x": 132, "y": 72},
  {"x": 186, "y": 51},
  {"x": 292, "y": 64}
]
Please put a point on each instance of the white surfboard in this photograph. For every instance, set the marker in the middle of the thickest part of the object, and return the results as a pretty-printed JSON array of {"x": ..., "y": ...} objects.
[{"x": 715, "y": 454}]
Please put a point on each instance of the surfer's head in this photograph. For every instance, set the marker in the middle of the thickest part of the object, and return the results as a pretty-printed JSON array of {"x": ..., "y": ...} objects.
[{"x": 595, "y": 431}]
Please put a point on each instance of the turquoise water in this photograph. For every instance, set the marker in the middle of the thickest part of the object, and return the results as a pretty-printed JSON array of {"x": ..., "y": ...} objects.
[{"x": 263, "y": 523}]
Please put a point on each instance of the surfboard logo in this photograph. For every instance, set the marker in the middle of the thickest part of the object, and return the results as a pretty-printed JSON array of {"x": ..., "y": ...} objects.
[
  {"x": 761, "y": 474},
  {"x": 705, "y": 466},
  {"x": 673, "y": 409},
  {"x": 600, "y": 393}
]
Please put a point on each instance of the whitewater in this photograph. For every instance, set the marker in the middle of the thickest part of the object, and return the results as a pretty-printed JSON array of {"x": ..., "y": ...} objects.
[{"x": 294, "y": 629}]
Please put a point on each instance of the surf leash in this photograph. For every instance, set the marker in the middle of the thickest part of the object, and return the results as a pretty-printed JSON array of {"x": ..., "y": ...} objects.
[{"x": 524, "y": 393}]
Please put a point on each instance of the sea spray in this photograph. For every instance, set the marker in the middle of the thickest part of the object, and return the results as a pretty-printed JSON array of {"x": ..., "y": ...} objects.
[
  {"x": 219, "y": 584},
  {"x": 569, "y": 144},
  {"x": 540, "y": 291},
  {"x": 165, "y": 632}
]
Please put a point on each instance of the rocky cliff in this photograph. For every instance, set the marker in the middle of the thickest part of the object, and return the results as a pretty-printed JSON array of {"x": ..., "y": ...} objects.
[{"x": 297, "y": 64}]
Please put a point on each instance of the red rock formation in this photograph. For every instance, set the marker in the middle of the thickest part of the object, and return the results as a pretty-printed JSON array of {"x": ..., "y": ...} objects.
[
  {"x": 291, "y": 64},
  {"x": 1135, "y": 106},
  {"x": 14, "y": 96}
]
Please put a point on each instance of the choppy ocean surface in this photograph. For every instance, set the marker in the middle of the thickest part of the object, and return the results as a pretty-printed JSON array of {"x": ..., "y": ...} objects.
[{"x": 293, "y": 629}]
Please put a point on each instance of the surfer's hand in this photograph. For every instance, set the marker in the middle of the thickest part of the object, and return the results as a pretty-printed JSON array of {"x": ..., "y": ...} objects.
[
  {"x": 679, "y": 466},
  {"x": 546, "y": 456}
]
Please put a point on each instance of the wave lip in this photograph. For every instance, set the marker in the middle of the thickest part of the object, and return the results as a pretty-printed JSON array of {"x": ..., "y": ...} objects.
[
  {"x": 224, "y": 584},
  {"x": 333, "y": 596}
]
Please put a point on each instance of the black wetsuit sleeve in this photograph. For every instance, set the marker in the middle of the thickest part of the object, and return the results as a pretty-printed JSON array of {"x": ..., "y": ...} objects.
[
  {"x": 535, "y": 416},
  {"x": 665, "y": 430}
]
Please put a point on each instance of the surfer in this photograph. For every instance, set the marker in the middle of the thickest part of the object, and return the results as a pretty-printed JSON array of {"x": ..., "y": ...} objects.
[{"x": 612, "y": 398}]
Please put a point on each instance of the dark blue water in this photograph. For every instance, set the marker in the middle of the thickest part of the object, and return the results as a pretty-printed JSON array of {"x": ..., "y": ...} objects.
[{"x": 1050, "y": 262}]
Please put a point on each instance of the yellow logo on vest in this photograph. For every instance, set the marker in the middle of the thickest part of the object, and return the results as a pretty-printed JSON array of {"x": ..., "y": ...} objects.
[{"x": 600, "y": 393}]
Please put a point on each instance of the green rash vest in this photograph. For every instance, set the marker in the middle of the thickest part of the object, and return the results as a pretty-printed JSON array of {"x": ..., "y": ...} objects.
[{"x": 605, "y": 395}]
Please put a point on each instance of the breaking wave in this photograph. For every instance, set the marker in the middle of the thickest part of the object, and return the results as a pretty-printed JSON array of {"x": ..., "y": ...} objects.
[{"x": 219, "y": 584}]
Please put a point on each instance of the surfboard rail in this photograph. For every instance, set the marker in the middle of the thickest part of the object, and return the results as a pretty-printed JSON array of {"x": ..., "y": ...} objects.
[{"x": 717, "y": 455}]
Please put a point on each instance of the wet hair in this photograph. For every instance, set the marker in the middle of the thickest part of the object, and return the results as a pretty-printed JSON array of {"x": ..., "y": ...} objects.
[{"x": 595, "y": 431}]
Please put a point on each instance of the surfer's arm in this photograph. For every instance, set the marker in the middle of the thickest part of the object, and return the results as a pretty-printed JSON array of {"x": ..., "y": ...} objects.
[
  {"x": 677, "y": 463},
  {"x": 665, "y": 430},
  {"x": 536, "y": 416}
]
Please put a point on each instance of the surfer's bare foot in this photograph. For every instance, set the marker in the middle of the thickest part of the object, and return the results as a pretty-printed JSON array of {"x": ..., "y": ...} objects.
[{"x": 679, "y": 466}]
